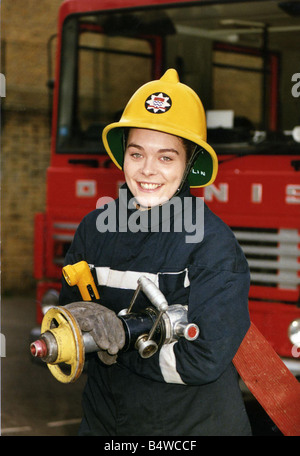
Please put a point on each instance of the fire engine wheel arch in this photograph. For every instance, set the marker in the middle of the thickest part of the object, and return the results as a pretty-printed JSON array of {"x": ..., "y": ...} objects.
[{"x": 61, "y": 323}]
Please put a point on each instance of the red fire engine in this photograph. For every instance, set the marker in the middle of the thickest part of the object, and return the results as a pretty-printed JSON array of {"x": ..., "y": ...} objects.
[{"x": 242, "y": 58}]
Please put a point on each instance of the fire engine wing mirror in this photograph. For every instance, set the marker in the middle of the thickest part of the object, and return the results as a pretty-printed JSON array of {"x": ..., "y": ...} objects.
[{"x": 295, "y": 133}]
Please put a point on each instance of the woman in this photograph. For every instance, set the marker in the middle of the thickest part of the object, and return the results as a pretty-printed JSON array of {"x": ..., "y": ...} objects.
[{"x": 188, "y": 388}]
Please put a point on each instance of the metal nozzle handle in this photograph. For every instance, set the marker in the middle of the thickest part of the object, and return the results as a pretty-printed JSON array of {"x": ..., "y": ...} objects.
[{"x": 153, "y": 293}]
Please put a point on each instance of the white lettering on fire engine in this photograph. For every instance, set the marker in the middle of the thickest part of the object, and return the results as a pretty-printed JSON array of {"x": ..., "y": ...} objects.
[
  {"x": 292, "y": 194},
  {"x": 212, "y": 191},
  {"x": 221, "y": 193},
  {"x": 256, "y": 193}
]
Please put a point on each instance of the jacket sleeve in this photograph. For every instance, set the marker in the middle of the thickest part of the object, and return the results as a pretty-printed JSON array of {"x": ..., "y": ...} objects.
[{"x": 218, "y": 303}]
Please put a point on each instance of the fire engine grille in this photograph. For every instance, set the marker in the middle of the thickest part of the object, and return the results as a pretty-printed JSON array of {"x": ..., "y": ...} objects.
[
  {"x": 273, "y": 256},
  {"x": 63, "y": 233}
]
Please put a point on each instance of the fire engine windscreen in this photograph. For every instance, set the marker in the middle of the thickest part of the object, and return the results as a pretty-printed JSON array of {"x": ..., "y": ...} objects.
[{"x": 228, "y": 53}]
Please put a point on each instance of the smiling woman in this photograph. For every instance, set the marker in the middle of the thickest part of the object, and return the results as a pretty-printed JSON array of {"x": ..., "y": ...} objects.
[
  {"x": 186, "y": 387},
  {"x": 154, "y": 165}
]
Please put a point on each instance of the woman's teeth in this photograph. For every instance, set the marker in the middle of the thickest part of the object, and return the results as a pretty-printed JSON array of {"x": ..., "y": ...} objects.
[{"x": 148, "y": 186}]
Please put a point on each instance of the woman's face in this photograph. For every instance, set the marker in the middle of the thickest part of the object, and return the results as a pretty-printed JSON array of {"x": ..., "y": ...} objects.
[{"x": 154, "y": 164}]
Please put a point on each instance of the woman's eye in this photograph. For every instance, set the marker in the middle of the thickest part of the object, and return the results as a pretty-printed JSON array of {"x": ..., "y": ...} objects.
[
  {"x": 165, "y": 158},
  {"x": 135, "y": 155}
]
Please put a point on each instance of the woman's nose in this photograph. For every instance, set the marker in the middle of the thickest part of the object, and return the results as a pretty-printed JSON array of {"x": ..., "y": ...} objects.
[{"x": 148, "y": 167}]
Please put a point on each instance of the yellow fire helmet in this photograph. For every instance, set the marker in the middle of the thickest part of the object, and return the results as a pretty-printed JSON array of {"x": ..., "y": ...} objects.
[{"x": 169, "y": 106}]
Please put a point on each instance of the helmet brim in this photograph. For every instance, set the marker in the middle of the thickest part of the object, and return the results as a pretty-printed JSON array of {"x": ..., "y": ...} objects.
[{"x": 203, "y": 171}]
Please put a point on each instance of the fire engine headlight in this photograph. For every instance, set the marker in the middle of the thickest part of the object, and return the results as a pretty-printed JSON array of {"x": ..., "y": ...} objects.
[
  {"x": 294, "y": 332},
  {"x": 50, "y": 299}
]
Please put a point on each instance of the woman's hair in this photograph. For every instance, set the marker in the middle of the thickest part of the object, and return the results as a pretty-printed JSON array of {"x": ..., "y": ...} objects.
[{"x": 189, "y": 147}]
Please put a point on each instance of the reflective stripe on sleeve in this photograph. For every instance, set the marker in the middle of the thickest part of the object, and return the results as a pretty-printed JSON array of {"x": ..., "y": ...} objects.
[{"x": 167, "y": 362}]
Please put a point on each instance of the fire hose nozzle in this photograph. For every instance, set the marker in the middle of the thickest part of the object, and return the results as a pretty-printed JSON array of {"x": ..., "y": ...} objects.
[
  {"x": 39, "y": 349},
  {"x": 153, "y": 293},
  {"x": 145, "y": 344},
  {"x": 62, "y": 342},
  {"x": 189, "y": 331}
]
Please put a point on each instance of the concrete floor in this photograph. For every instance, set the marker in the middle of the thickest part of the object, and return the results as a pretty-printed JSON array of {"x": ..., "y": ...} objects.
[{"x": 34, "y": 403}]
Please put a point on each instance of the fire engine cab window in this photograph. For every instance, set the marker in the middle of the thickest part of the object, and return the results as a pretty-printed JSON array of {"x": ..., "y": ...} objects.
[
  {"x": 242, "y": 69},
  {"x": 91, "y": 91}
]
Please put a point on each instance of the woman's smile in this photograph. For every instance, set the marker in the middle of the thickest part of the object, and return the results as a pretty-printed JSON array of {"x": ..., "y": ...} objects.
[{"x": 149, "y": 186}]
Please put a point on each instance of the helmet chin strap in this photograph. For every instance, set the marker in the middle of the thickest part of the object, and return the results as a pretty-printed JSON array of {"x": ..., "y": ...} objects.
[{"x": 188, "y": 167}]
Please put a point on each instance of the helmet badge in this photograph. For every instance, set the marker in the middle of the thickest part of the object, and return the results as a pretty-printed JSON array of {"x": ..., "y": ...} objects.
[{"x": 158, "y": 103}]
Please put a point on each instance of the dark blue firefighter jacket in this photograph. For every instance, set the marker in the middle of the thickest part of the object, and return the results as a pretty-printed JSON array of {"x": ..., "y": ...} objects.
[{"x": 188, "y": 388}]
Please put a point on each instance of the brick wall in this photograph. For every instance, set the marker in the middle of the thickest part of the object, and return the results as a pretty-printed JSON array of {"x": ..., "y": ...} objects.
[
  {"x": 25, "y": 134},
  {"x": 25, "y": 157}
]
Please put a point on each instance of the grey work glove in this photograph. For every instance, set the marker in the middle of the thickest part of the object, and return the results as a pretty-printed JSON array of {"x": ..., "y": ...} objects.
[{"x": 103, "y": 325}]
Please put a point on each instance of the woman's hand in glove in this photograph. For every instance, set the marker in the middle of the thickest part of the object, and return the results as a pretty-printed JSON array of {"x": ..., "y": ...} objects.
[{"x": 103, "y": 325}]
